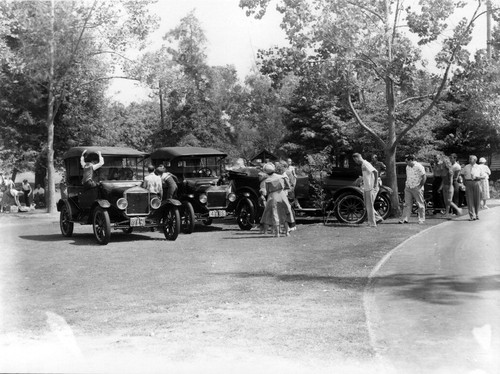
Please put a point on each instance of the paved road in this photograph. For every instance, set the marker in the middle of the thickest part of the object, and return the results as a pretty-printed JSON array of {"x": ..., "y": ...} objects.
[{"x": 433, "y": 306}]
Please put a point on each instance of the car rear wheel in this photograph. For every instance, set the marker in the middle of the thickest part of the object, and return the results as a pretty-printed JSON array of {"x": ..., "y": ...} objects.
[
  {"x": 188, "y": 218},
  {"x": 128, "y": 230},
  {"x": 350, "y": 208},
  {"x": 171, "y": 223},
  {"x": 65, "y": 221},
  {"x": 246, "y": 215},
  {"x": 208, "y": 221},
  {"x": 101, "y": 225},
  {"x": 382, "y": 205}
]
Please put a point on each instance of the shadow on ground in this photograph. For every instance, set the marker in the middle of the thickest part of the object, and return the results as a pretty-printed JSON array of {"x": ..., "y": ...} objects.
[{"x": 429, "y": 288}]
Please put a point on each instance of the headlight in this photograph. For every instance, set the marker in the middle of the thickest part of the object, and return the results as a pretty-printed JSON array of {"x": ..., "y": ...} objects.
[
  {"x": 231, "y": 197},
  {"x": 155, "y": 203},
  {"x": 203, "y": 198},
  {"x": 122, "y": 203}
]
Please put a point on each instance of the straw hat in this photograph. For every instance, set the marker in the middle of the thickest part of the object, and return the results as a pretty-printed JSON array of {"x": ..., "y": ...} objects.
[
  {"x": 482, "y": 160},
  {"x": 269, "y": 168}
]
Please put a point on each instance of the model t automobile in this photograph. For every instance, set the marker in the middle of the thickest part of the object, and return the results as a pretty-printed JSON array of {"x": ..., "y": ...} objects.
[
  {"x": 118, "y": 201},
  {"x": 199, "y": 174},
  {"x": 337, "y": 194}
]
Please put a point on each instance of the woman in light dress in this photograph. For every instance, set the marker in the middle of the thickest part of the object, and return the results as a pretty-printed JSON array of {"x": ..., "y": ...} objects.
[
  {"x": 277, "y": 211},
  {"x": 485, "y": 183},
  {"x": 447, "y": 187}
]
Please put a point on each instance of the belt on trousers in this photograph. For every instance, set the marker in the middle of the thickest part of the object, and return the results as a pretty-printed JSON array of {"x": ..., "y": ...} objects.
[{"x": 471, "y": 180}]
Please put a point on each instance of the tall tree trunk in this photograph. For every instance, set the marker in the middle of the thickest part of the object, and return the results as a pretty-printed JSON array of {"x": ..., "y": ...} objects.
[
  {"x": 390, "y": 97},
  {"x": 51, "y": 187}
]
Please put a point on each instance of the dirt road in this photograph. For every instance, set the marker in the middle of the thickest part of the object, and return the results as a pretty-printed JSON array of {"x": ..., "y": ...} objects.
[{"x": 218, "y": 300}]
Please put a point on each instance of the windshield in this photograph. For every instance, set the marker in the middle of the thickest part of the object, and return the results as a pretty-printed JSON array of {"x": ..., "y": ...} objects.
[
  {"x": 121, "y": 168},
  {"x": 195, "y": 167}
]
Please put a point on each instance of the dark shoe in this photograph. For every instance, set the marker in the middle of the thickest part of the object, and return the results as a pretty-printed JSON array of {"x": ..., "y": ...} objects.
[{"x": 379, "y": 221}]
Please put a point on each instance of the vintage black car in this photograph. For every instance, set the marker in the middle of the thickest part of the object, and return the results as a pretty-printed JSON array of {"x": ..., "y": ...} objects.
[
  {"x": 337, "y": 193},
  {"x": 201, "y": 189},
  {"x": 118, "y": 201}
]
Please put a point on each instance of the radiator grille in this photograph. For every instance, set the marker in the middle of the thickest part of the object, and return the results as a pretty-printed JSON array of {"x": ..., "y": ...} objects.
[
  {"x": 138, "y": 203},
  {"x": 216, "y": 199}
]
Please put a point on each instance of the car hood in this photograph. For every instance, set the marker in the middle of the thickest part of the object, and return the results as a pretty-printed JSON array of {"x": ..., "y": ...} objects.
[
  {"x": 200, "y": 184},
  {"x": 119, "y": 187}
]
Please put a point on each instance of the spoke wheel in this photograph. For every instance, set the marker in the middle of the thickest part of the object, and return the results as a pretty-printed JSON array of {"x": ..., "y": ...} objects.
[
  {"x": 171, "y": 223},
  {"x": 350, "y": 209},
  {"x": 382, "y": 205},
  {"x": 128, "y": 230},
  {"x": 246, "y": 215},
  {"x": 101, "y": 225},
  {"x": 208, "y": 221},
  {"x": 187, "y": 218},
  {"x": 65, "y": 221}
]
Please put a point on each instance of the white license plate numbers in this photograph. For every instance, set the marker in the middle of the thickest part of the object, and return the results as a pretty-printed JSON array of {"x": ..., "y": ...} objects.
[
  {"x": 216, "y": 213},
  {"x": 137, "y": 221}
]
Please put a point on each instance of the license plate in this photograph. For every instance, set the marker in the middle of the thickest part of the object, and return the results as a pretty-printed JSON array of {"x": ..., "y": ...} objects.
[
  {"x": 137, "y": 221},
  {"x": 216, "y": 213}
]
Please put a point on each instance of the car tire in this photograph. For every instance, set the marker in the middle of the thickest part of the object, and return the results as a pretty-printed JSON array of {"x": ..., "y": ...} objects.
[
  {"x": 101, "y": 225},
  {"x": 383, "y": 205},
  {"x": 65, "y": 221},
  {"x": 187, "y": 218},
  {"x": 208, "y": 221},
  {"x": 171, "y": 223},
  {"x": 128, "y": 230},
  {"x": 350, "y": 208},
  {"x": 246, "y": 215}
]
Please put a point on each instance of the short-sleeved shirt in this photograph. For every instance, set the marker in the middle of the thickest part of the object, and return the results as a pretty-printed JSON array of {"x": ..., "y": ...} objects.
[
  {"x": 414, "y": 175},
  {"x": 472, "y": 172},
  {"x": 152, "y": 183},
  {"x": 39, "y": 191},
  {"x": 368, "y": 176}
]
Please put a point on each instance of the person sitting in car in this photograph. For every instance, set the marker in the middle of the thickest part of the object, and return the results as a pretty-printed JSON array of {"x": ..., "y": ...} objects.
[{"x": 89, "y": 166}]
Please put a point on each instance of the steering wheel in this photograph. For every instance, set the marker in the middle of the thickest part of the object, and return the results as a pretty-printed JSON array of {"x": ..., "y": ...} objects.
[{"x": 206, "y": 172}]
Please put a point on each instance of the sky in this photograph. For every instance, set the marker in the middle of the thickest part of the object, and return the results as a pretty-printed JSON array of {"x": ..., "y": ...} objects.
[{"x": 233, "y": 38}]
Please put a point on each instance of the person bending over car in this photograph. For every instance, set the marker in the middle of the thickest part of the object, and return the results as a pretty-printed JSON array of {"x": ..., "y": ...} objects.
[{"x": 88, "y": 169}]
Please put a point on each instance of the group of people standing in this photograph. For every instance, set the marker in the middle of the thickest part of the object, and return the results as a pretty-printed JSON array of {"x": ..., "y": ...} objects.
[{"x": 449, "y": 176}]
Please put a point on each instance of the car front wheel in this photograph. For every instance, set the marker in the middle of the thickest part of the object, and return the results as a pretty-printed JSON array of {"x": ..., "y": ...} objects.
[
  {"x": 350, "y": 208},
  {"x": 65, "y": 221},
  {"x": 382, "y": 205},
  {"x": 101, "y": 225},
  {"x": 171, "y": 223},
  {"x": 246, "y": 215},
  {"x": 188, "y": 218}
]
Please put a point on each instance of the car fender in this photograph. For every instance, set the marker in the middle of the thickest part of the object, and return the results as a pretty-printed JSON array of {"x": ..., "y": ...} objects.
[
  {"x": 104, "y": 204},
  {"x": 72, "y": 208},
  {"x": 351, "y": 189},
  {"x": 171, "y": 202}
]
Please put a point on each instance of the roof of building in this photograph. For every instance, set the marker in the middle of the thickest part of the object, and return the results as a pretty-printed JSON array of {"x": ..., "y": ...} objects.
[{"x": 168, "y": 153}]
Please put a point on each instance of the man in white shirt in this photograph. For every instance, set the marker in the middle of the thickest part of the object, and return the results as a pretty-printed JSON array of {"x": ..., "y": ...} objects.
[
  {"x": 473, "y": 174},
  {"x": 152, "y": 182},
  {"x": 370, "y": 189},
  {"x": 414, "y": 189}
]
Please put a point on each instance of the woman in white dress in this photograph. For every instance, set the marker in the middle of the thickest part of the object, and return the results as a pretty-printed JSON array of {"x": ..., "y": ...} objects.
[
  {"x": 485, "y": 183},
  {"x": 277, "y": 211}
]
